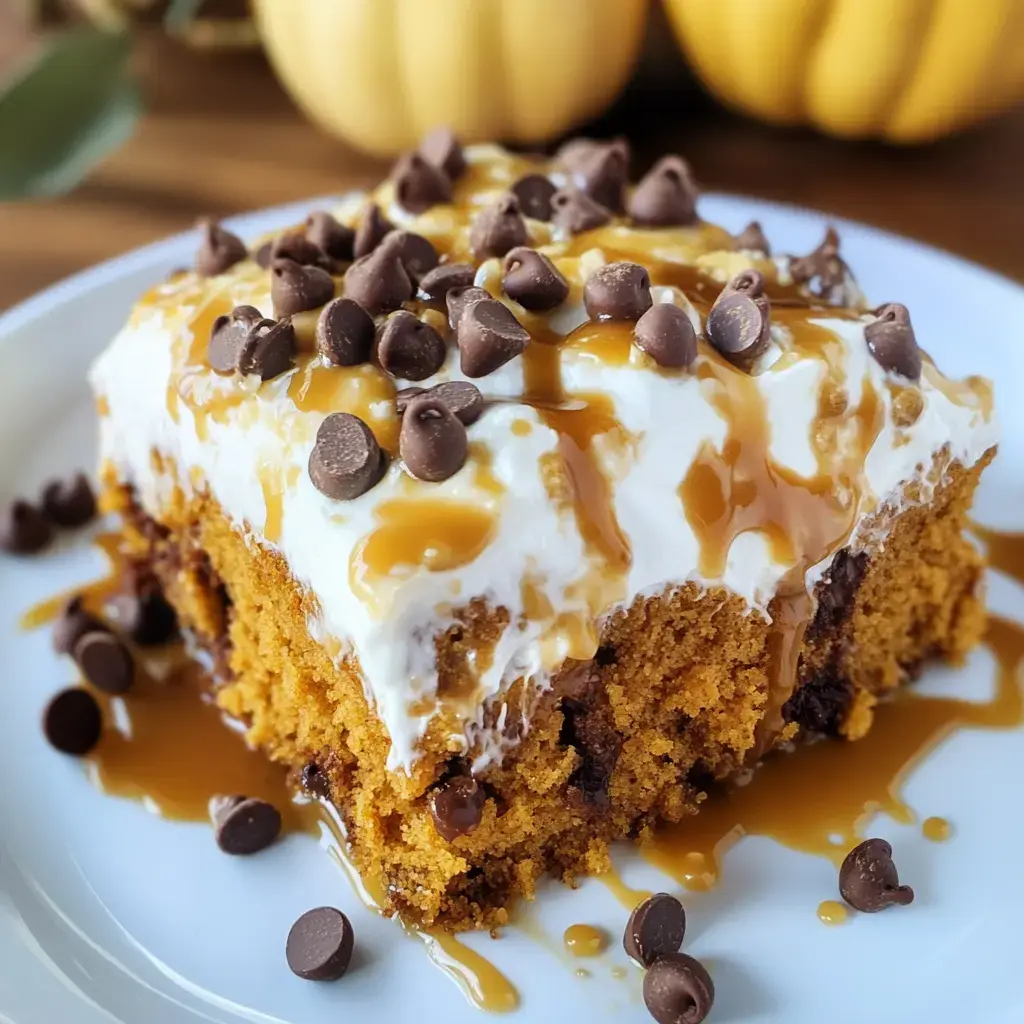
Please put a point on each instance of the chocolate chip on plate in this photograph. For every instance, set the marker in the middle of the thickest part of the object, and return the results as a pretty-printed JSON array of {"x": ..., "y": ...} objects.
[
  {"x": 417, "y": 254},
  {"x": 604, "y": 173},
  {"x": 145, "y": 614},
  {"x": 458, "y": 300},
  {"x": 441, "y": 148},
  {"x": 244, "y": 825},
  {"x": 105, "y": 661},
  {"x": 299, "y": 248},
  {"x": 319, "y": 946},
  {"x": 618, "y": 291},
  {"x": 404, "y": 396},
  {"x": 678, "y": 990},
  {"x": 666, "y": 334},
  {"x": 739, "y": 324},
  {"x": 24, "y": 530},
  {"x": 489, "y": 336},
  {"x": 346, "y": 460},
  {"x": 432, "y": 441},
  {"x": 868, "y": 879},
  {"x": 72, "y": 623},
  {"x": 892, "y": 341},
  {"x": 419, "y": 184},
  {"x": 534, "y": 192},
  {"x": 436, "y": 284},
  {"x": 295, "y": 288},
  {"x": 344, "y": 333},
  {"x": 497, "y": 228},
  {"x": 457, "y": 807},
  {"x": 333, "y": 237},
  {"x": 409, "y": 348},
  {"x": 823, "y": 271},
  {"x": 219, "y": 249},
  {"x": 655, "y": 927},
  {"x": 227, "y": 337},
  {"x": 73, "y": 722},
  {"x": 575, "y": 212},
  {"x": 666, "y": 196},
  {"x": 379, "y": 282},
  {"x": 371, "y": 231},
  {"x": 752, "y": 239},
  {"x": 69, "y": 503},
  {"x": 462, "y": 397},
  {"x": 269, "y": 348},
  {"x": 533, "y": 280}
]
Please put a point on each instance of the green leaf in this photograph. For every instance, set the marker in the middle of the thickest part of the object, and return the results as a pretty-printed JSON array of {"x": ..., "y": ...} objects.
[
  {"x": 68, "y": 109},
  {"x": 181, "y": 13}
]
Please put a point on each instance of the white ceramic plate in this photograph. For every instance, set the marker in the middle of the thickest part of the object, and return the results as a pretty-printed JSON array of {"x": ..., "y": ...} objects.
[{"x": 108, "y": 913}]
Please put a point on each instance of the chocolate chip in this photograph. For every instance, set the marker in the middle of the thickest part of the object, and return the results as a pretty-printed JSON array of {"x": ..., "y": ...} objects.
[
  {"x": 436, "y": 284},
  {"x": 666, "y": 196},
  {"x": 618, "y": 291},
  {"x": 678, "y": 990},
  {"x": 489, "y": 336},
  {"x": 146, "y": 615},
  {"x": 666, "y": 334},
  {"x": 344, "y": 333},
  {"x": 534, "y": 192},
  {"x": 752, "y": 239},
  {"x": 419, "y": 184},
  {"x": 319, "y": 946},
  {"x": 892, "y": 341},
  {"x": 823, "y": 271},
  {"x": 24, "y": 530},
  {"x": 459, "y": 299},
  {"x": 269, "y": 348},
  {"x": 295, "y": 288},
  {"x": 371, "y": 231},
  {"x": 300, "y": 249},
  {"x": 655, "y": 927},
  {"x": 405, "y": 396},
  {"x": 105, "y": 661},
  {"x": 432, "y": 441},
  {"x": 219, "y": 250},
  {"x": 533, "y": 280},
  {"x": 575, "y": 212},
  {"x": 73, "y": 722},
  {"x": 228, "y": 335},
  {"x": 497, "y": 228},
  {"x": 69, "y": 503},
  {"x": 262, "y": 255},
  {"x": 72, "y": 623},
  {"x": 346, "y": 460},
  {"x": 244, "y": 825},
  {"x": 334, "y": 238},
  {"x": 441, "y": 148},
  {"x": 868, "y": 879},
  {"x": 457, "y": 807},
  {"x": 739, "y": 324},
  {"x": 820, "y": 704},
  {"x": 603, "y": 171},
  {"x": 409, "y": 348},
  {"x": 379, "y": 282},
  {"x": 462, "y": 397},
  {"x": 418, "y": 256},
  {"x": 314, "y": 780}
]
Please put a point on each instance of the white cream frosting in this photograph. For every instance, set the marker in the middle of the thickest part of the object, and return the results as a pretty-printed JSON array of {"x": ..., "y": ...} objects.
[{"x": 668, "y": 419}]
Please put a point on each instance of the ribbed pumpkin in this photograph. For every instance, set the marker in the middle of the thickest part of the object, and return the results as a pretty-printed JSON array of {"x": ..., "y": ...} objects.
[
  {"x": 380, "y": 73},
  {"x": 901, "y": 70}
]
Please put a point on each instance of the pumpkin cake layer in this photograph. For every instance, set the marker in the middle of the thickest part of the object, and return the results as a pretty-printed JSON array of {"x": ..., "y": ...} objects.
[{"x": 656, "y": 550}]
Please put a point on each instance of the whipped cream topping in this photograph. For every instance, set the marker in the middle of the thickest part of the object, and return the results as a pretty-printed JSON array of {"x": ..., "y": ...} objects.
[{"x": 565, "y": 509}]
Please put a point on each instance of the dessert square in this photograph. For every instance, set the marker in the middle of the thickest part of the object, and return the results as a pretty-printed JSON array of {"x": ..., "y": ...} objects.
[{"x": 518, "y": 506}]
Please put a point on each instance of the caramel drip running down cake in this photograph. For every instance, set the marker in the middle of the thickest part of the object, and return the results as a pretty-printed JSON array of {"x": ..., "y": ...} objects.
[{"x": 519, "y": 505}]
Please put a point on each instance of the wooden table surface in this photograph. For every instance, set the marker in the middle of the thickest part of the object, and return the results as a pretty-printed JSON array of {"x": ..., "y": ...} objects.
[{"x": 222, "y": 137}]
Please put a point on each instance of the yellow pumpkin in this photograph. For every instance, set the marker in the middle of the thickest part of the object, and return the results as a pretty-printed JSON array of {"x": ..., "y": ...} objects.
[
  {"x": 901, "y": 70},
  {"x": 380, "y": 73}
]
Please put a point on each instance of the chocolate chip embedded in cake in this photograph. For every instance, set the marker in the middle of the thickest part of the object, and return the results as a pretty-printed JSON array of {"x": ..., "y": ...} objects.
[{"x": 509, "y": 480}]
